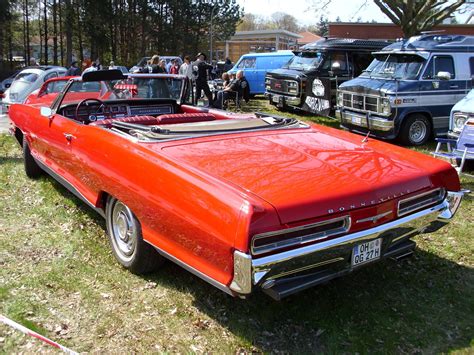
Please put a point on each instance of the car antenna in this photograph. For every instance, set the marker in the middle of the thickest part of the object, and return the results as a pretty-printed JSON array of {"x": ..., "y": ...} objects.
[{"x": 366, "y": 138}]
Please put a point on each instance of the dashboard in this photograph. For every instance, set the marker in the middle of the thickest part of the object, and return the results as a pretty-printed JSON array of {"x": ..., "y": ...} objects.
[{"x": 93, "y": 111}]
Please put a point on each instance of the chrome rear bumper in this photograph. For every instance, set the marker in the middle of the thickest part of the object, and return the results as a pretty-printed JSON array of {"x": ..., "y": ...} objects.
[{"x": 291, "y": 271}]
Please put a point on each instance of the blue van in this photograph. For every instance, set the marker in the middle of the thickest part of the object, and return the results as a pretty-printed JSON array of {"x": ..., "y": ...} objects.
[
  {"x": 256, "y": 65},
  {"x": 408, "y": 90}
]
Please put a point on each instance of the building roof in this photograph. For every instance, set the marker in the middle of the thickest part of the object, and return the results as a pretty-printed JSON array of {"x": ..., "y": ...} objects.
[
  {"x": 265, "y": 33},
  {"x": 308, "y": 37}
]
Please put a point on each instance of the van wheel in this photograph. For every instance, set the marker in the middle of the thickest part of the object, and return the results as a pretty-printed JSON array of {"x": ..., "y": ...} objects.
[
  {"x": 416, "y": 130},
  {"x": 126, "y": 239}
]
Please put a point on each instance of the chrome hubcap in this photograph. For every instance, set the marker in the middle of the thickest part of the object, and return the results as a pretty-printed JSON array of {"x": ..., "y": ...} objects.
[
  {"x": 124, "y": 230},
  {"x": 418, "y": 131}
]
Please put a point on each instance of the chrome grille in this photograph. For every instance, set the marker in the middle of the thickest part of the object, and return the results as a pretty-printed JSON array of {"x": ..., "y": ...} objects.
[
  {"x": 368, "y": 103},
  {"x": 272, "y": 241},
  {"x": 281, "y": 86},
  {"x": 420, "y": 201}
]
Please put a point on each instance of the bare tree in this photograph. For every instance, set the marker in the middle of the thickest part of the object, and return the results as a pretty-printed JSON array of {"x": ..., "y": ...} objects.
[{"x": 414, "y": 16}]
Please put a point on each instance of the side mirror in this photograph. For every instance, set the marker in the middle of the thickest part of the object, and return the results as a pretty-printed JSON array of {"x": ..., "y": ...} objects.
[
  {"x": 443, "y": 75},
  {"x": 46, "y": 112}
]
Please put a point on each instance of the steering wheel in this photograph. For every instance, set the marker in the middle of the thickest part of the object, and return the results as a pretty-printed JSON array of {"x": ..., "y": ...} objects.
[{"x": 84, "y": 102}]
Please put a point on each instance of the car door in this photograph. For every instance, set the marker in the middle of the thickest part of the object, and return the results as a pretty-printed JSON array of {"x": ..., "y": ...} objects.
[
  {"x": 51, "y": 138},
  {"x": 439, "y": 94}
]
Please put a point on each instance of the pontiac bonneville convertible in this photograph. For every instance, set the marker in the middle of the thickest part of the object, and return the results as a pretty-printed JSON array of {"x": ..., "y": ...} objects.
[{"x": 245, "y": 201}]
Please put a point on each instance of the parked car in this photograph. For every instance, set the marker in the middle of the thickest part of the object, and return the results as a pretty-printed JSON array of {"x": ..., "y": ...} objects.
[
  {"x": 27, "y": 81},
  {"x": 50, "y": 90},
  {"x": 460, "y": 113},
  {"x": 223, "y": 194},
  {"x": 256, "y": 65},
  {"x": 6, "y": 83},
  {"x": 143, "y": 62},
  {"x": 308, "y": 82},
  {"x": 409, "y": 89}
]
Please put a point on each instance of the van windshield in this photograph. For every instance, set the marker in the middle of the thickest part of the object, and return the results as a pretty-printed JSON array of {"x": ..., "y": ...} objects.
[
  {"x": 395, "y": 66},
  {"x": 305, "y": 61}
]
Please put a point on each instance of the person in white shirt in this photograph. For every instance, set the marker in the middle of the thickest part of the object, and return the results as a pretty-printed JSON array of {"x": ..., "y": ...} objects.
[
  {"x": 93, "y": 67},
  {"x": 186, "y": 68}
]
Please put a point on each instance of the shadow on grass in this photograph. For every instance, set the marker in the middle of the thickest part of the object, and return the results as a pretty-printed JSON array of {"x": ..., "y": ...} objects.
[
  {"x": 419, "y": 304},
  {"x": 10, "y": 160}
]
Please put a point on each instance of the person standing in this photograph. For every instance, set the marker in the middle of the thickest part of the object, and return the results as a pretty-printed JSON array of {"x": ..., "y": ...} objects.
[
  {"x": 73, "y": 70},
  {"x": 155, "y": 65},
  {"x": 186, "y": 68},
  {"x": 200, "y": 69},
  {"x": 174, "y": 67}
]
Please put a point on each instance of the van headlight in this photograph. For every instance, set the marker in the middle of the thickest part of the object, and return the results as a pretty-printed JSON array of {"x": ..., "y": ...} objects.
[
  {"x": 340, "y": 100},
  {"x": 459, "y": 120},
  {"x": 386, "y": 109}
]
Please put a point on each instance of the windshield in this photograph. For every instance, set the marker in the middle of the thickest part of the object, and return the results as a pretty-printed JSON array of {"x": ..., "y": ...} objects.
[
  {"x": 395, "y": 66},
  {"x": 305, "y": 61},
  {"x": 29, "y": 77},
  {"x": 144, "y": 87}
]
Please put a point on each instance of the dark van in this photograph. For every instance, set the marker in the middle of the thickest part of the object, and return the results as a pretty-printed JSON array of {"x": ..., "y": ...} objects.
[{"x": 309, "y": 80}]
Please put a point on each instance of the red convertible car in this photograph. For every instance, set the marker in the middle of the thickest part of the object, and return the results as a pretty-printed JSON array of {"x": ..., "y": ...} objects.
[{"x": 246, "y": 202}]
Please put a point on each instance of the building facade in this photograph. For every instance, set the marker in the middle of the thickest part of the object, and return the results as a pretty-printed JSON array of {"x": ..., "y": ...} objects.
[
  {"x": 244, "y": 42},
  {"x": 387, "y": 31}
]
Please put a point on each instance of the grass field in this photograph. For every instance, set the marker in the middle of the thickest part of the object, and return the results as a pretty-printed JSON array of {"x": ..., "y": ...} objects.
[{"x": 58, "y": 277}]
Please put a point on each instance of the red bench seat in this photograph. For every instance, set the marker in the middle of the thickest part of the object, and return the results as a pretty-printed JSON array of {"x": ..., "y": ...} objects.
[{"x": 163, "y": 119}]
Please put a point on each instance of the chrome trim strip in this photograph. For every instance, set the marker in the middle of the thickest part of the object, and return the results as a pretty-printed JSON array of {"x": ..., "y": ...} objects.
[
  {"x": 298, "y": 240},
  {"x": 287, "y": 255},
  {"x": 194, "y": 271},
  {"x": 374, "y": 218},
  {"x": 441, "y": 196}
]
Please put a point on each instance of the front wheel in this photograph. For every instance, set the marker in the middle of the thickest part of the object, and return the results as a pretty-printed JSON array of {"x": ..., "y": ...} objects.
[
  {"x": 416, "y": 130},
  {"x": 32, "y": 169},
  {"x": 126, "y": 239}
]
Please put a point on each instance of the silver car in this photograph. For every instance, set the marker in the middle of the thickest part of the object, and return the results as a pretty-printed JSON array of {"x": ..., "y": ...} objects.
[{"x": 27, "y": 81}]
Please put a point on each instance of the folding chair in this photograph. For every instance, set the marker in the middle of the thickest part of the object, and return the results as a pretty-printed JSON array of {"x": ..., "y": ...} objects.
[{"x": 459, "y": 150}]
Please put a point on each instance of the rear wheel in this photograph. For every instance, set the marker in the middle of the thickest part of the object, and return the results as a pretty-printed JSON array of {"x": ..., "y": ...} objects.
[
  {"x": 32, "y": 169},
  {"x": 416, "y": 130},
  {"x": 126, "y": 239}
]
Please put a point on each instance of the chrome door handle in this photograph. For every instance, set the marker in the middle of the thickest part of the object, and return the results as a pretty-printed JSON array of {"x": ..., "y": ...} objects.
[
  {"x": 69, "y": 137},
  {"x": 453, "y": 86}
]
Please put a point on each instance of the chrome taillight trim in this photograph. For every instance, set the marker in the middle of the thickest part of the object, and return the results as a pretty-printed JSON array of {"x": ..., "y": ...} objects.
[
  {"x": 300, "y": 240},
  {"x": 441, "y": 194}
]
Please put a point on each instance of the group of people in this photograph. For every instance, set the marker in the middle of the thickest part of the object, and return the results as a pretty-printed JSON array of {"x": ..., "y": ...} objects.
[{"x": 234, "y": 87}]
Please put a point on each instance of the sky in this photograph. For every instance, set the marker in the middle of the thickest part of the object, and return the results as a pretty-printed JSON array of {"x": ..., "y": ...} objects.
[{"x": 347, "y": 10}]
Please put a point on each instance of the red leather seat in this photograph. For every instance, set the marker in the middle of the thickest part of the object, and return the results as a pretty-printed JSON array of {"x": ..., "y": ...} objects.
[
  {"x": 147, "y": 120},
  {"x": 163, "y": 119}
]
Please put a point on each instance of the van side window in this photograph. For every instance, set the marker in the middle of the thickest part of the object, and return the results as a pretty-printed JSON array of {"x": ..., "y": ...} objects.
[
  {"x": 471, "y": 65},
  {"x": 247, "y": 63},
  {"x": 439, "y": 63}
]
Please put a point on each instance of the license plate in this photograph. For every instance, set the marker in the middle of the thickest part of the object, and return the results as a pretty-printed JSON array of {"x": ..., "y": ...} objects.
[
  {"x": 366, "y": 252},
  {"x": 356, "y": 120},
  {"x": 276, "y": 98}
]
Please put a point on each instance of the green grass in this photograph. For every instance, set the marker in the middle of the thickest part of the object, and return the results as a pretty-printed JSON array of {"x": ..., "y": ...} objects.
[{"x": 58, "y": 276}]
